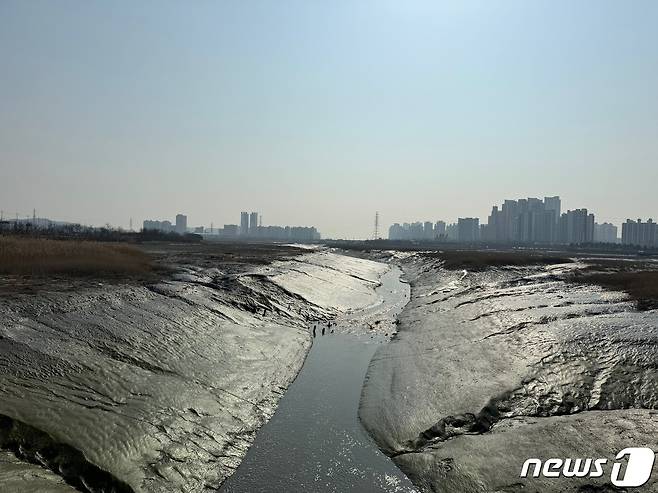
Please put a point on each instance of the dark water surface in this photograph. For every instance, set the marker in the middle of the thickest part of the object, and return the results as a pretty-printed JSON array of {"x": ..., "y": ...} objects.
[{"x": 314, "y": 441}]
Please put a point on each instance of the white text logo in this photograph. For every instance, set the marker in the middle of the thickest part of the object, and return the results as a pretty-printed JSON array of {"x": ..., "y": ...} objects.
[{"x": 632, "y": 473}]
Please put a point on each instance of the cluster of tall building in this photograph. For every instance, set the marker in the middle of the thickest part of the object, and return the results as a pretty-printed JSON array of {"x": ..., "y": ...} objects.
[
  {"x": 418, "y": 231},
  {"x": 531, "y": 221},
  {"x": 535, "y": 221},
  {"x": 248, "y": 223},
  {"x": 251, "y": 227}
]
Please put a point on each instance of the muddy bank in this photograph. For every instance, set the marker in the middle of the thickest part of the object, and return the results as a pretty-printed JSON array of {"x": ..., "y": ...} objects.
[
  {"x": 161, "y": 386},
  {"x": 493, "y": 367}
]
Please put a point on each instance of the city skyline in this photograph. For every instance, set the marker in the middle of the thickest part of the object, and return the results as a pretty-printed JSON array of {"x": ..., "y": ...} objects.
[
  {"x": 322, "y": 113},
  {"x": 601, "y": 227},
  {"x": 249, "y": 223},
  {"x": 531, "y": 221},
  {"x": 250, "y": 227}
]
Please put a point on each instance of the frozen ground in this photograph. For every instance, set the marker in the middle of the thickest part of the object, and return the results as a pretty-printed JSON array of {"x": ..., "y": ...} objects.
[
  {"x": 491, "y": 368},
  {"x": 162, "y": 386}
]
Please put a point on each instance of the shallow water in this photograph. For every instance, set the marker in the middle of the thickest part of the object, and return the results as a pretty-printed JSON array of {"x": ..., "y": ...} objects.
[{"x": 315, "y": 442}]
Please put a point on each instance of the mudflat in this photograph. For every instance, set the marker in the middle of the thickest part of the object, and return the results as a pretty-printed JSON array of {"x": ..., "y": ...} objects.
[
  {"x": 158, "y": 380},
  {"x": 513, "y": 360}
]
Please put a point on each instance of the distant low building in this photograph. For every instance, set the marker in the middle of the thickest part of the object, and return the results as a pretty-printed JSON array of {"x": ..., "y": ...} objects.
[
  {"x": 287, "y": 233},
  {"x": 162, "y": 226},
  {"x": 166, "y": 226},
  {"x": 229, "y": 231}
]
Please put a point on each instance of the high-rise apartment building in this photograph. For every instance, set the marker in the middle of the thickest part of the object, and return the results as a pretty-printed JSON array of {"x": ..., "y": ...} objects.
[
  {"x": 244, "y": 223},
  {"x": 468, "y": 229},
  {"x": 181, "y": 224},
  {"x": 639, "y": 233},
  {"x": 428, "y": 230},
  {"x": 576, "y": 227},
  {"x": 553, "y": 204},
  {"x": 451, "y": 231},
  {"x": 605, "y": 233},
  {"x": 253, "y": 223}
]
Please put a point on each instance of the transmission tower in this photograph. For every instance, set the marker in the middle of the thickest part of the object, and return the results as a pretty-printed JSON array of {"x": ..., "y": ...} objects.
[{"x": 376, "y": 235}]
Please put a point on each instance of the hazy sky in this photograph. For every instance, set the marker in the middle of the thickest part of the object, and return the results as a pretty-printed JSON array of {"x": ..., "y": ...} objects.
[{"x": 322, "y": 112}]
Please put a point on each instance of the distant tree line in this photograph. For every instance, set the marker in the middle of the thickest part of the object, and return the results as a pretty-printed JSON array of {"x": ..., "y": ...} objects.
[{"x": 91, "y": 233}]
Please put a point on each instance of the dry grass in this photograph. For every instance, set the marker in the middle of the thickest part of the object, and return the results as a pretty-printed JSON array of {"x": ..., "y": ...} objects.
[
  {"x": 37, "y": 256},
  {"x": 474, "y": 260},
  {"x": 638, "y": 279},
  {"x": 641, "y": 286}
]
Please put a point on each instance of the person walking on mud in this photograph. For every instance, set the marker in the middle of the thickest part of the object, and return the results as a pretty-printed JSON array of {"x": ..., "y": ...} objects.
[{"x": 314, "y": 331}]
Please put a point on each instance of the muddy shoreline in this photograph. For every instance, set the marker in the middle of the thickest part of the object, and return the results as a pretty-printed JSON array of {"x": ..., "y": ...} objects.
[
  {"x": 495, "y": 366},
  {"x": 159, "y": 382},
  {"x": 161, "y": 385}
]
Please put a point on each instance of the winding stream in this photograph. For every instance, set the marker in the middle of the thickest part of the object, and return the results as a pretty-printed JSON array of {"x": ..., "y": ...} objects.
[{"x": 314, "y": 441}]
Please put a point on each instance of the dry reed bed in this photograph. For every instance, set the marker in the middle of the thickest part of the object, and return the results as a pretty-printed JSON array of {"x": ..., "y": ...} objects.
[{"x": 38, "y": 256}]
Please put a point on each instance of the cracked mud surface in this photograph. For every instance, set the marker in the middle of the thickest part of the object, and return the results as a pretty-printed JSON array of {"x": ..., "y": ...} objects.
[
  {"x": 491, "y": 368},
  {"x": 162, "y": 386}
]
